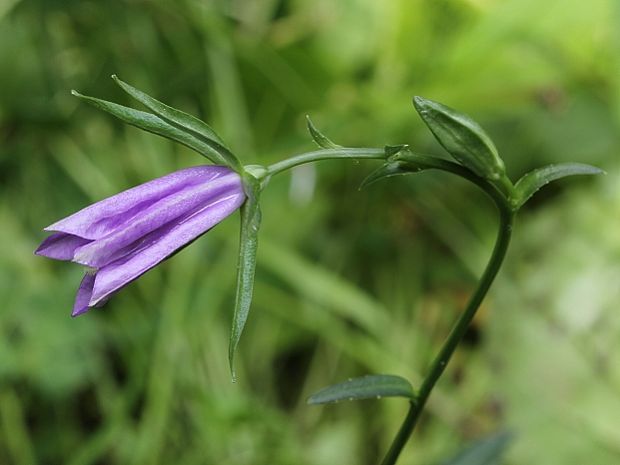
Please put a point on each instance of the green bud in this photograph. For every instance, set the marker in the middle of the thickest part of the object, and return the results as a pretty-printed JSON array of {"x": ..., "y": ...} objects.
[{"x": 462, "y": 137}]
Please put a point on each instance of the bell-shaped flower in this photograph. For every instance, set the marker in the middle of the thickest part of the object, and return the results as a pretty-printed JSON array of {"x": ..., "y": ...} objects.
[{"x": 120, "y": 238}]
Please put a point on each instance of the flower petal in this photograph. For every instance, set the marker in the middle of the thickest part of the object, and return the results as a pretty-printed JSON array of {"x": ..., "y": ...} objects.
[
  {"x": 104, "y": 217},
  {"x": 60, "y": 246},
  {"x": 84, "y": 294},
  {"x": 161, "y": 244},
  {"x": 179, "y": 204}
]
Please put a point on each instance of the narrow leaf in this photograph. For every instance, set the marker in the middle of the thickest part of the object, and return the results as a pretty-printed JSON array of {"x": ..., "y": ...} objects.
[
  {"x": 318, "y": 137},
  {"x": 151, "y": 123},
  {"x": 366, "y": 387},
  {"x": 530, "y": 183},
  {"x": 184, "y": 122},
  {"x": 395, "y": 168},
  {"x": 487, "y": 451},
  {"x": 462, "y": 137},
  {"x": 250, "y": 225},
  {"x": 408, "y": 162}
]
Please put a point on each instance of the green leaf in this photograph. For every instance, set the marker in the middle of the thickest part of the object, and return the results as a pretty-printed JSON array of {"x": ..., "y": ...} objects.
[
  {"x": 388, "y": 170},
  {"x": 530, "y": 183},
  {"x": 408, "y": 162},
  {"x": 462, "y": 137},
  {"x": 184, "y": 122},
  {"x": 366, "y": 387},
  {"x": 487, "y": 451},
  {"x": 151, "y": 123},
  {"x": 250, "y": 225},
  {"x": 318, "y": 137}
]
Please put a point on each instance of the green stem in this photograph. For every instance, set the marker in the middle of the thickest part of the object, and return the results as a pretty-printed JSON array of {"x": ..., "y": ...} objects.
[
  {"x": 456, "y": 335},
  {"x": 326, "y": 154},
  {"x": 499, "y": 252}
]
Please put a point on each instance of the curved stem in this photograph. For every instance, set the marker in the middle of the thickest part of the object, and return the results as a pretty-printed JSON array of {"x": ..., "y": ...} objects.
[
  {"x": 499, "y": 252},
  {"x": 326, "y": 154},
  {"x": 456, "y": 335}
]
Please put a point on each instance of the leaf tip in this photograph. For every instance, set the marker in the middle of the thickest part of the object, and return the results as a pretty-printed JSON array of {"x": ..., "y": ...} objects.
[
  {"x": 369, "y": 180},
  {"x": 231, "y": 365},
  {"x": 318, "y": 137},
  {"x": 419, "y": 102},
  {"x": 117, "y": 80},
  {"x": 310, "y": 126}
]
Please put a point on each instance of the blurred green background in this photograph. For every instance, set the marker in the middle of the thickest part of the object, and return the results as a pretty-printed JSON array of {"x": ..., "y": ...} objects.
[{"x": 348, "y": 282}]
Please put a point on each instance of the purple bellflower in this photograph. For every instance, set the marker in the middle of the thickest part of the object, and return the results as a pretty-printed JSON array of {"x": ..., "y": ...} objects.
[{"x": 124, "y": 236}]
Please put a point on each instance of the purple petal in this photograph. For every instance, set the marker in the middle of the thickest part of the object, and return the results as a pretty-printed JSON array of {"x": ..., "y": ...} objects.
[
  {"x": 60, "y": 246},
  {"x": 84, "y": 294},
  {"x": 104, "y": 217},
  {"x": 176, "y": 205},
  {"x": 161, "y": 244}
]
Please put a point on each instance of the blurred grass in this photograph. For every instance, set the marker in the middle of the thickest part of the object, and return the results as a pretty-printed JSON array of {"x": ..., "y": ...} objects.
[{"x": 349, "y": 282}]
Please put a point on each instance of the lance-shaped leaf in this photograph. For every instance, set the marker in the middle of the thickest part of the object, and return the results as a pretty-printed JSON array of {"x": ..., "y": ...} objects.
[
  {"x": 530, "y": 183},
  {"x": 462, "y": 137},
  {"x": 388, "y": 170},
  {"x": 487, "y": 451},
  {"x": 366, "y": 387},
  {"x": 250, "y": 225},
  {"x": 151, "y": 123},
  {"x": 184, "y": 122},
  {"x": 319, "y": 138},
  {"x": 408, "y": 162}
]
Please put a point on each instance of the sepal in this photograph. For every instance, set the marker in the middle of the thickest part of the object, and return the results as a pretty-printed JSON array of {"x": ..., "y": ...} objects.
[
  {"x": 151, "y": 123},
  {"x": 246, "y": 267},
  {"x": 185, "y": 122}
]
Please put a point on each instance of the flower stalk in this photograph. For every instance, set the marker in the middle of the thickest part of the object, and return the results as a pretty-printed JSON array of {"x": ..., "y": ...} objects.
[
  {"x": 506, "y": 222},
  {"x": 343, "y": 153}
]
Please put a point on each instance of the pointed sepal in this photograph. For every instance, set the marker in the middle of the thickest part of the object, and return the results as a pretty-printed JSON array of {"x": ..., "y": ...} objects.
[
  {"x": 533, "y": 181},
  {"x": 185, "y": 122},
  {"x": 246, "y": 267},
  {"x": 366, "y": 387},
  {"x": 153, "y": 124}
]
